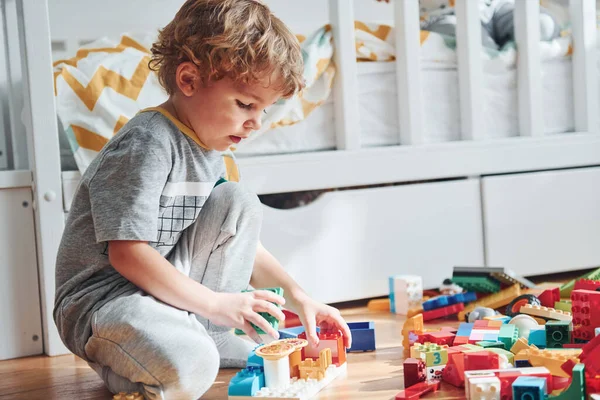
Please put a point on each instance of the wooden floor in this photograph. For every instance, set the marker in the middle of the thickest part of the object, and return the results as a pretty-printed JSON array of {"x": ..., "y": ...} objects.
[{"x": 373, "y": 375}]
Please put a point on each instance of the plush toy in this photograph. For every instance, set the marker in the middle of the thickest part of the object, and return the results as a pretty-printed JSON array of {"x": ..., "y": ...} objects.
[{"x": 497, "y": 20}]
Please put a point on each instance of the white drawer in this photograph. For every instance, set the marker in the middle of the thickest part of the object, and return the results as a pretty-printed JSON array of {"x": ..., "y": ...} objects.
[
  {"x": 345, "y": 244},
  {"x": 543, "y": 222}
]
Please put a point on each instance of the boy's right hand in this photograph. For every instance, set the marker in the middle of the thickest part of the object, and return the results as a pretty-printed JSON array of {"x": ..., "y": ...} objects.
[{"x": 238, "y": 310}]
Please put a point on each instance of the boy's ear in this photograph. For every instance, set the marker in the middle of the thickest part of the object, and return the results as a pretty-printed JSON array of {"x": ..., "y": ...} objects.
[{"x": 188, "y": 78}]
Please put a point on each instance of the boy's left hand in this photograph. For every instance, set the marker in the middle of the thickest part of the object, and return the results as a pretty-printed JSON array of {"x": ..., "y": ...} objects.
[{"x": 313, "y": 314}]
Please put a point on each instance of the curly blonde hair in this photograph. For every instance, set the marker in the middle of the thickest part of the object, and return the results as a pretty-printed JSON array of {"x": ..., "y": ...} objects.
[{"x": 239, "y": 39}]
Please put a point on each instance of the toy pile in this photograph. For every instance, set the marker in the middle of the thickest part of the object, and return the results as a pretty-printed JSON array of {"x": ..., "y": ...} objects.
[
  {"x": 518, "y": 340},
  {"x": 291, "y": 368}
]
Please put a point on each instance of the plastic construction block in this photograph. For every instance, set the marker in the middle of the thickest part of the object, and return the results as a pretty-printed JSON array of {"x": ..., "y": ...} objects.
[
  {"x": 586, "y": 284},
  {"x": 443, "y": 301},
  {"x": 443, "y": 312},
  {"x": 479, "y": 284},
  {"x": 379, "y": 304},
  {"x": 440, "y": 338},
  {"x": 291, "y": 319},
  {"x": 416, "y": 391},
  {"x": 549, "y": 296},
  {"x": 564, "y": 305},
  {"x": 567, "y": 288},
  {"x": 545, "y": 312},
  {"x": 454, "y": 372},
  {"x": 483, "y": 388},
  {"x": 503, "y": 275},
  {"x": 522, "y": 364},
  {"x": 529, "y": 388},
  {"x": 585, "y": 320},
  {"x": 508, "y": 376},
  {"x": 575, "y": 391},
  {"x": 537, "y": 337},
  {"x": 509, "y": 334},
  {"x": 510, "y": 357},
  {"x": 553, "y": 360},
  {"x": 412, "y": 327},
  {"x": 289, "y": 333},
  {"x": 333, "y": 339},
  {"x": 247, "y": 382},
  {"x": 505, "y": 319},
  {"x": 520, "y": 344},
  {"x": 487, "y": 345},
  {"x": 558, "y": 333},
  {"x": 494, "y": 301},
  {"x": 406, "y": 292},
  {"x": 481, "y": 360},
  {"x": 274, "y": 322},
  {"x": 592, "y": 384},
  {"x": 363, "y": 336},
  {"x": 414, "y": 371}
]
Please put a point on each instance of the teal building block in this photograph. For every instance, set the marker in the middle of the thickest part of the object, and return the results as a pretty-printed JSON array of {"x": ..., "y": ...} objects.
[
  {"x": 247, "y": 382},
  {"x": 558, "y": 333},
  {"x": 508, "y": 335},
  {"x": 538, "y": 337},
  {"x": 274, "y": 322},
  {"x": 575, "y": 391},
  {"x": 487, "y": 345},
  {"x": 529, "y": 388}
]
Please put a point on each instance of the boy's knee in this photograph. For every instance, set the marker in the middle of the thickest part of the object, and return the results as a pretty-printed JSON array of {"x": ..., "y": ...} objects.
[
  {"x": 237, "y": 194},
  {"x": 195, "y": 373}
]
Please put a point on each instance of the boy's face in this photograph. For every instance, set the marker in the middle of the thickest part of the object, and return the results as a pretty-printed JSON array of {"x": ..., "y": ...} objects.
[{"x": 224, "y": 113}]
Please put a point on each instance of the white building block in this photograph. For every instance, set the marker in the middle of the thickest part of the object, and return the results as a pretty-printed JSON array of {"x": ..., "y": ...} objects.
[
  {"x": 406, "y": 292},
  {"x": 487, "y": 388},
  {"x": 299, "y": 389}
]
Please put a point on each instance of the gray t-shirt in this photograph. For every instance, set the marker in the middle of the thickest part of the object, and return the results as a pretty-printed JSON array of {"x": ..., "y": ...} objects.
[{"x": 148, "y": 184}]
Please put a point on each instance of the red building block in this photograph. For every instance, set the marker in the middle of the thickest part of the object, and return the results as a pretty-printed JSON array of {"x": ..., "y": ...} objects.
[
  {"x": 481, "y": 360},
  {"x": 549, "y": 296},
  {"x": 586, "y": 284},
  {"x": 443, "y": 312},
  {"x": 568, "y": 367},
  {"x": 414, "y": 372},
  {"x": 441, "y": 338},
  {"x": 592, "y": 383},
  {"x": 291, "y": 319},
  {"x": 418, "y": 390},
  {"x": 338, "y": 354},
  {"x": 454, "y": 373},
  {"x": 589, "y": 347}
]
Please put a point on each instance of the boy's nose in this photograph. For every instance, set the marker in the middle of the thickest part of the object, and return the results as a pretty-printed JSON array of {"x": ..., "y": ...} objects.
[{"x": 254, "y": 123}]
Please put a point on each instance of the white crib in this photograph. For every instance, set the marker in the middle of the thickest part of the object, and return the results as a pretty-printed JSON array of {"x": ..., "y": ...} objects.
[{"x": 527, "y": 202}]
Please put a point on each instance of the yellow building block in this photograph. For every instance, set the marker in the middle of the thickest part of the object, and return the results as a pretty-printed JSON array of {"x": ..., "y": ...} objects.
[
  {"x": 553, "y": 360},
  {"x": 546, "y": 312},
  {"x": 379, "y": 305},
  {"x": 495, "y": 300},
  {"x": 519, "y": 345}
]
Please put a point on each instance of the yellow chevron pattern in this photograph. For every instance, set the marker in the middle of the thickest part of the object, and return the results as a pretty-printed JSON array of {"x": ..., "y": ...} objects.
[{"x": 103, "y": 78}]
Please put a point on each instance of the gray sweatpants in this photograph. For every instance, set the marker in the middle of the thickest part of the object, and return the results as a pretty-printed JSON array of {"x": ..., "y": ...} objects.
[{"x": 139, "y": 343}]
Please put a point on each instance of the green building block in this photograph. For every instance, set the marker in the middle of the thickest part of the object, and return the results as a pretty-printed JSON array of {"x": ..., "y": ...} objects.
[
  {"x": 479, "y": 284},
  {"x": 510, "y": 356},
  {"x": 489, "y": 345},
  {"x": 575, "y": 391},
  {"x": 508, "y": 335},
  {"x": 563, "y": 305},
  {"x": 274, "y": 322},
  {"x": 567, "y": 288},
  {"x": 558, "y": 333}
]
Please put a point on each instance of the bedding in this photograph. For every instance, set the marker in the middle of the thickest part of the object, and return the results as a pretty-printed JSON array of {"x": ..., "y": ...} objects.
[{"x": 108, "y": 81}]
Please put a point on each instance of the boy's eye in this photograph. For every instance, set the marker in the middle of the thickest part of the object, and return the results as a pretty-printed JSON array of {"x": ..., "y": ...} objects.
[{"x": 244, "y": 106}]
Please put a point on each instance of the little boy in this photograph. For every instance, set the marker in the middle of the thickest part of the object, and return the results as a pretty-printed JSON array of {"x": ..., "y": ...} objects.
[{"x": 157, "y": 249}]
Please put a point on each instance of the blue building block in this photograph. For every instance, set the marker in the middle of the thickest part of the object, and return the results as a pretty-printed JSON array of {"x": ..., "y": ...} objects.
[
  {"x": 254, "y": 360},
  {"x": 443, "y": 301},
  {"x": 247, "y": 382},
  {"x": 464, "y": 329},
  {"x": 392, "y": 300},
  {"x": 522, "y": 364},
  {"x": 529, "y": 388},
  {"x": 538, "y": 337},
  {"x": 363, "y": 336}
]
